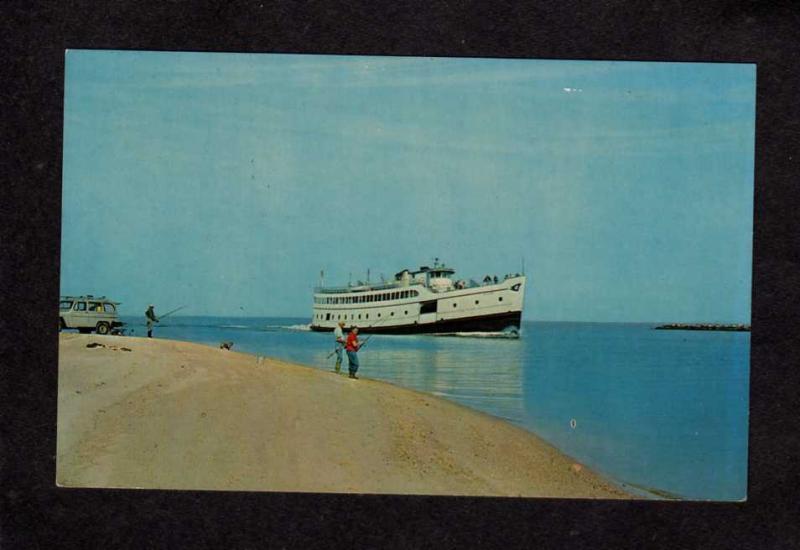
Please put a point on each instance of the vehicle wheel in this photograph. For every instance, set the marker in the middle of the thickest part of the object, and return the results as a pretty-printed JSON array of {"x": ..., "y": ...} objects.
[{"x": 103, "y": 328}]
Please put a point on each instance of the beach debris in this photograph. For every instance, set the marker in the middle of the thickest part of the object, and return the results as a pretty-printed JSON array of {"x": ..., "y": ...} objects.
[
  {"x": 112, "y": 348},
  {"x": 577, "y": 468},
  {"x": 226, "y": 345},
  {"x": 573, "y": 423}
]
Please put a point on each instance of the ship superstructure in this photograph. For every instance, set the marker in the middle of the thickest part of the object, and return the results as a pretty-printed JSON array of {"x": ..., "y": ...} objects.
[{"x": 427, "y": 300}]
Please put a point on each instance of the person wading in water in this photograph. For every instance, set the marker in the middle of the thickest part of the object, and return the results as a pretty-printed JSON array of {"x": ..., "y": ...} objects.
[{"x": 351, "y": 347}]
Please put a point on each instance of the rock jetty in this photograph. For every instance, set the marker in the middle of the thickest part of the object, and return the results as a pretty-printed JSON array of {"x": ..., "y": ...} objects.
[{"x": 704, "y": 326}]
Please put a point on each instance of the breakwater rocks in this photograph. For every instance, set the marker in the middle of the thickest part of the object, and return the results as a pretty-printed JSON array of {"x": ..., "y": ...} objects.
[{"x": 704, "y": 326}]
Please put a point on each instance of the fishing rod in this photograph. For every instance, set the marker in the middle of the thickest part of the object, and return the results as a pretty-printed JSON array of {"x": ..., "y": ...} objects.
[
  {"x": 376, "y": 323},
  {"x": 177, "y": 309},
  {"x": 367, "y": 339},
  {"x": 364, "y": 343}
]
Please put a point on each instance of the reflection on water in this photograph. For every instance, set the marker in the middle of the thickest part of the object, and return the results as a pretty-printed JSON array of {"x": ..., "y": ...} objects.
[
  {"x": 472, "y": 373},
  {"x": 660, "y": 409}
]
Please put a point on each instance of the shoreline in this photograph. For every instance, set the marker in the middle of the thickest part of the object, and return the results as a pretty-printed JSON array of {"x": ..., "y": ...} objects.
[{"x": 136, "y": 412}]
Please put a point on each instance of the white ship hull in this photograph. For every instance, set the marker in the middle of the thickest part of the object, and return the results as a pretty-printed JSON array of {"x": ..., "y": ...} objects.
[{"x": 416, "y": 308}]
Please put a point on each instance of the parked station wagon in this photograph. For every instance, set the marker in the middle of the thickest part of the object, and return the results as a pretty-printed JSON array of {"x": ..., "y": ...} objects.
[{"x": 88, "y": 313}]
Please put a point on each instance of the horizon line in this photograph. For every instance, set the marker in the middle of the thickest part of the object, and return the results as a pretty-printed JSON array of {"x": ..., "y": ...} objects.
[{"x": 747, "y": 323}]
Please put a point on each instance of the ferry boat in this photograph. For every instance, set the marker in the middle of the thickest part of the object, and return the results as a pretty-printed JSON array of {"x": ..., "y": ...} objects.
[{"x": 427, "y": 300}]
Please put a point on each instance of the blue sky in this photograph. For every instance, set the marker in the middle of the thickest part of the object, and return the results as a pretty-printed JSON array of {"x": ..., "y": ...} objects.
[{"x": 226, "y": 182}]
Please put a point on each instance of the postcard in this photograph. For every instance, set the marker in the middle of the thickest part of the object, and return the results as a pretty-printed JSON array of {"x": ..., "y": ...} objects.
[{"x": 406, "y": 275}]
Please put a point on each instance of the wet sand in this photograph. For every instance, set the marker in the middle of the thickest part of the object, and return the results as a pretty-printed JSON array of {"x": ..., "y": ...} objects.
[{"x": 177, "y": 415}]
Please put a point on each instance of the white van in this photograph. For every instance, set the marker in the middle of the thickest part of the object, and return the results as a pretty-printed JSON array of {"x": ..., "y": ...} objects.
[{"x": 87, "y": 314}]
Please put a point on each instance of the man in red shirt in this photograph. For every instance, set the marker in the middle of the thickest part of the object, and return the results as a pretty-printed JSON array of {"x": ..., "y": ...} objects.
[{"x": 351, "y": 347}]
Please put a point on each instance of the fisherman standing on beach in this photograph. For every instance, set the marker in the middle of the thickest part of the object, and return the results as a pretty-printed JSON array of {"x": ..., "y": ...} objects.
[
  {"x": 151, "y": 320},
  {"x": 338, "y": 335},
  {"x": 351, "y": 347}
]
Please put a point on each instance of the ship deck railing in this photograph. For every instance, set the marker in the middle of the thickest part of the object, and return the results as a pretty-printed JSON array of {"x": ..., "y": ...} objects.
[
  {"x": 393, "y": 285},
  {"x": 366, "y": 287}
]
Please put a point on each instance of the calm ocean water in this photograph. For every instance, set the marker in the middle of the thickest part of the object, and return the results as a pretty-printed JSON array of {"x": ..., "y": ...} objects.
[{"x": 663, "y": 411}]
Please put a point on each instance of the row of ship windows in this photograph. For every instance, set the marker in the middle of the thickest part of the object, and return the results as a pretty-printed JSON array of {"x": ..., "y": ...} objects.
[
  {"x": 343, "y": 316},
  {"x": 399, "y": 295}
]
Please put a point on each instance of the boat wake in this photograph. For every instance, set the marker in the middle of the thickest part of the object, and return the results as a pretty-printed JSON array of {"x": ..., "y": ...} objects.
[
  {"x": 298, "y": 327},
  {"x": 293, "y": 328}
]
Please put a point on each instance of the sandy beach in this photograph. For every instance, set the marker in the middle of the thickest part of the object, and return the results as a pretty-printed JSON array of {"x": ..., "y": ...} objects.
[{"x": 174, "y": 415}]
